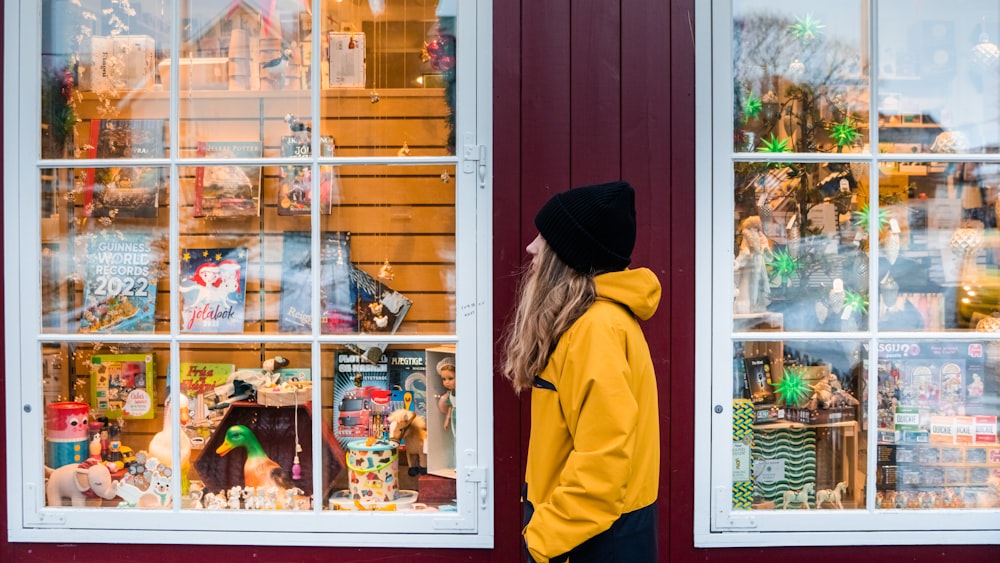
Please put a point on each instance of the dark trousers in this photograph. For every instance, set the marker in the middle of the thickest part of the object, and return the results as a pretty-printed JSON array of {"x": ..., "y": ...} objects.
[{"x": 631, "y": 539}]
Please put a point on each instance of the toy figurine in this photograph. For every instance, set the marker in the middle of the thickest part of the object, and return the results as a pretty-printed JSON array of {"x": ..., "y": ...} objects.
[
  {"x": 77, "y": 483},
  {"x": 800, "y": 497},
  {"x": 446, "y": 402},
  {"x": 160, "y": 446},
  {"x": 753, "y": 285},
  {"x": 412, "y": 429},
  {"x": 833, "y": 495}
]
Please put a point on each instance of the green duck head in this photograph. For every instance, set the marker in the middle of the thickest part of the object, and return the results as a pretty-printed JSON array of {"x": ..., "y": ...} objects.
[{"x": 239, "y": 436}]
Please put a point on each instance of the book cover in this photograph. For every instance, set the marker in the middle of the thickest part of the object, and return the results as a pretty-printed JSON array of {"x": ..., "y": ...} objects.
[
  {"x": 227, "y": 190},
  {"x": 202, "y": 378},
  {"x": 125, "y": 191},
  {"x": 213, "y": 289},
  {"x": 123, "y": 385},
  {"x": 361, "y": 397},
  {"x": 198, "y": 382},
  {"x": 758, "y": 379},
  {"x": 120, "y": 276},
  {"x": 336, "y": 297},
  {"x": 379, "y": 309},
  {"x": 295, "y": 182},
  {"x": 408, "y": 379}
]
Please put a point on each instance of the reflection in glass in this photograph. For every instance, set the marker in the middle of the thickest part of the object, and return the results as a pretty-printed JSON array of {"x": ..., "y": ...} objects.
[
  {"x": 938, "y": 78},
  {"x": 799, "y": 78},
  {"x": 801, "y": 246},
  {"x": 937, "y": 267},
  {"x": 797, "y": 425}
]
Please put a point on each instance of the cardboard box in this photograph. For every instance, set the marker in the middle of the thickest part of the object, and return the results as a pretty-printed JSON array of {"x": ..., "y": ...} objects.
[
  {"x": 822, "y": 416},
  {"x": 347, "y": 59},
  {"x": 440, "y": 440},
  {"x": 210, "y": 73},
  {"x": 122, "y": 62}
]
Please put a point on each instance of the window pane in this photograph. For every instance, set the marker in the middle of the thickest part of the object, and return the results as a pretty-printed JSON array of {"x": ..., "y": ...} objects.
[
  {"x": 937, "y": 77},
  {"x": 797, "y": 433},
  {"x": 938, "y": 257},
  {"x": 389, "y": 80},
  {"x": 937, "y": 425},
  {"x": 104, "y": 403},
  {"x": 799, "y": 76},
  {"x": 393, "y": 412},
  {"x": 801, "y": 252}
]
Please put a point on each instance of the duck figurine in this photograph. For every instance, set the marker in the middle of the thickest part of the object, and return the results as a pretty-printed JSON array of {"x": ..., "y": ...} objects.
[
  {"x": 161, "y": 446},
  {"x": 258, "y": 470}
]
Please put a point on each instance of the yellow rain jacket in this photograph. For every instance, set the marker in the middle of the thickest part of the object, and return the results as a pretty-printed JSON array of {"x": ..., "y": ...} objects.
[{"x": 594, "y": 449}]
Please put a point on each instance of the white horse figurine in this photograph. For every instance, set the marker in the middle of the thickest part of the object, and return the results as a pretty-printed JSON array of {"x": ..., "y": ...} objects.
[
  {"x": 798, "y": 497},
  {"x": 831, "y": 495}
]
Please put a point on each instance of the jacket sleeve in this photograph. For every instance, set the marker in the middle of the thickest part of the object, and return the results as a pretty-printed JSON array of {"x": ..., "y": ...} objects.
[{"x": 601, "y": 415}]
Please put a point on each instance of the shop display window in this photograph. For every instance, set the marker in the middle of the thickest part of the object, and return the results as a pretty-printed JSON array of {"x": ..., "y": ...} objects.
[
  {"x": 248, "y": 258},
  {"x": 851, "y": 243}
]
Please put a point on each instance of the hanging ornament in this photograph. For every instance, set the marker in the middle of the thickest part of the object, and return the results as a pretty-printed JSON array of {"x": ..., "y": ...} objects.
[
  {"x": 792, "y": 236},
  {"x": 967, "y": 241},
  {"x": 844, "y": 133},
  {"x": 752, "y": 106},
  {"x": 793, "y": 388},
  {"x": 404, "y": 151},
  {"x": 807, "y": 28},
  {"x": 445, "y": 177},
  {"x": 374, "y": 97},
  {"x": 986, "y": 54},
  {"x": 766, "y": 211},
  {"x": 385, "y": 272},
  {"x": 425, "y": 55},
  {"x": 351, "y": 44}
]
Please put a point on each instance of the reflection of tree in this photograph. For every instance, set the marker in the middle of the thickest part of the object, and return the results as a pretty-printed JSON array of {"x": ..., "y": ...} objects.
[{"x": 791, "y": 92}]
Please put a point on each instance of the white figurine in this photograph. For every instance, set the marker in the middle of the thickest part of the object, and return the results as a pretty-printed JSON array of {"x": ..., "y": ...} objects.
[{"x": 753, "y": 287}]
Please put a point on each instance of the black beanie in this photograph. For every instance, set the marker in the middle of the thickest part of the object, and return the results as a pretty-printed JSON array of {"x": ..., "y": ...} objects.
[{"x": 591, "y": 228}]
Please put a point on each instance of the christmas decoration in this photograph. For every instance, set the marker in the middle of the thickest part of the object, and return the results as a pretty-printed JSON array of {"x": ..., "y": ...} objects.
[
  {"x": 807, "y": 28},
  {"x": 793, "y": 388}
]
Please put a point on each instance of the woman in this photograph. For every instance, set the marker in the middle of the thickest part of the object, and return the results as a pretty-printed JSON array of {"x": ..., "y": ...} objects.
[{"x": 593, "y": 454}]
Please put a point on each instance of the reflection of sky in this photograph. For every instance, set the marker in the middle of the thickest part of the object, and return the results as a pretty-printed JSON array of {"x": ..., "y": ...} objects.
[
  {"x": 925, "y": 61},
  {"x": 842, "y": 21}
]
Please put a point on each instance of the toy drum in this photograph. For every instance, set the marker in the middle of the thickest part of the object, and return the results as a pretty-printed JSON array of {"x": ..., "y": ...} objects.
[
  {"x": 374, "y": 470},
  {"x": 65, "y": 433}
]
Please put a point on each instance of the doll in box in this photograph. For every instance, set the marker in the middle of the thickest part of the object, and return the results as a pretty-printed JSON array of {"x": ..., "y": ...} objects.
[{"x": 446, "y": 402}]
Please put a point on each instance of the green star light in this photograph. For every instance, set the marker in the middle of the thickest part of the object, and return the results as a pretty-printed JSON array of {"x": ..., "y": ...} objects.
[
  {"x": 856, "y": 301},
  {"x": 806, "y": 28},
  {"x": 752, "y": 105},
  {"x": 793, "y": 387},
  {"x": 861, "y": 218},
  {"x": 774, "y": 144},
  {"x": 784, "y": 267},
  {"x": 845, "y": 132}
]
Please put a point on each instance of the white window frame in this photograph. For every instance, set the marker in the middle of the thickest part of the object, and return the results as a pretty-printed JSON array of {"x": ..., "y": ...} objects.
[
  {"x": 29, "y": 520},
  {"x": 715, "y": 523}
]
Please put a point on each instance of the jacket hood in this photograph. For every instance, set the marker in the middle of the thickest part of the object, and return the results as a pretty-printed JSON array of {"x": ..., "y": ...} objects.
[{"x": 637, "y": 289}]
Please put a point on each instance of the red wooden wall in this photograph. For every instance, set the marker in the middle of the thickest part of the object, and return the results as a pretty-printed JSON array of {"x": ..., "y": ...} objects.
[{"x": 584, "y": 91}]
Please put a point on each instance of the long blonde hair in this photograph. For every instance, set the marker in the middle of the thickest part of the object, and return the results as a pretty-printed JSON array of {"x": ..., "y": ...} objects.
[{"x": 550, "y": 298}]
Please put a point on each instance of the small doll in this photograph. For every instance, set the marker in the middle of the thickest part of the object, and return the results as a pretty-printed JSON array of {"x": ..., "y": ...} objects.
[{"x": 446, "y": 402}]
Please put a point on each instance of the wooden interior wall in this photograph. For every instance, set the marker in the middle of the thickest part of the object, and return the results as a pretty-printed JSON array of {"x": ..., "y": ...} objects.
[{"x": 554, "y": 126}]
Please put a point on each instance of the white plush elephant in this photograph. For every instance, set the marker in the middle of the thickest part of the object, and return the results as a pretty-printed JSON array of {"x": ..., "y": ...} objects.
[{"x": 77, "y": 483}]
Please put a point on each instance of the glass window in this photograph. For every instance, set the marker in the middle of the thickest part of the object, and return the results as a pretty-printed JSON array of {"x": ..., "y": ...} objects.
[
  {"x": 853, "y": 260},
  {"x": 246, "y": 236}
]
